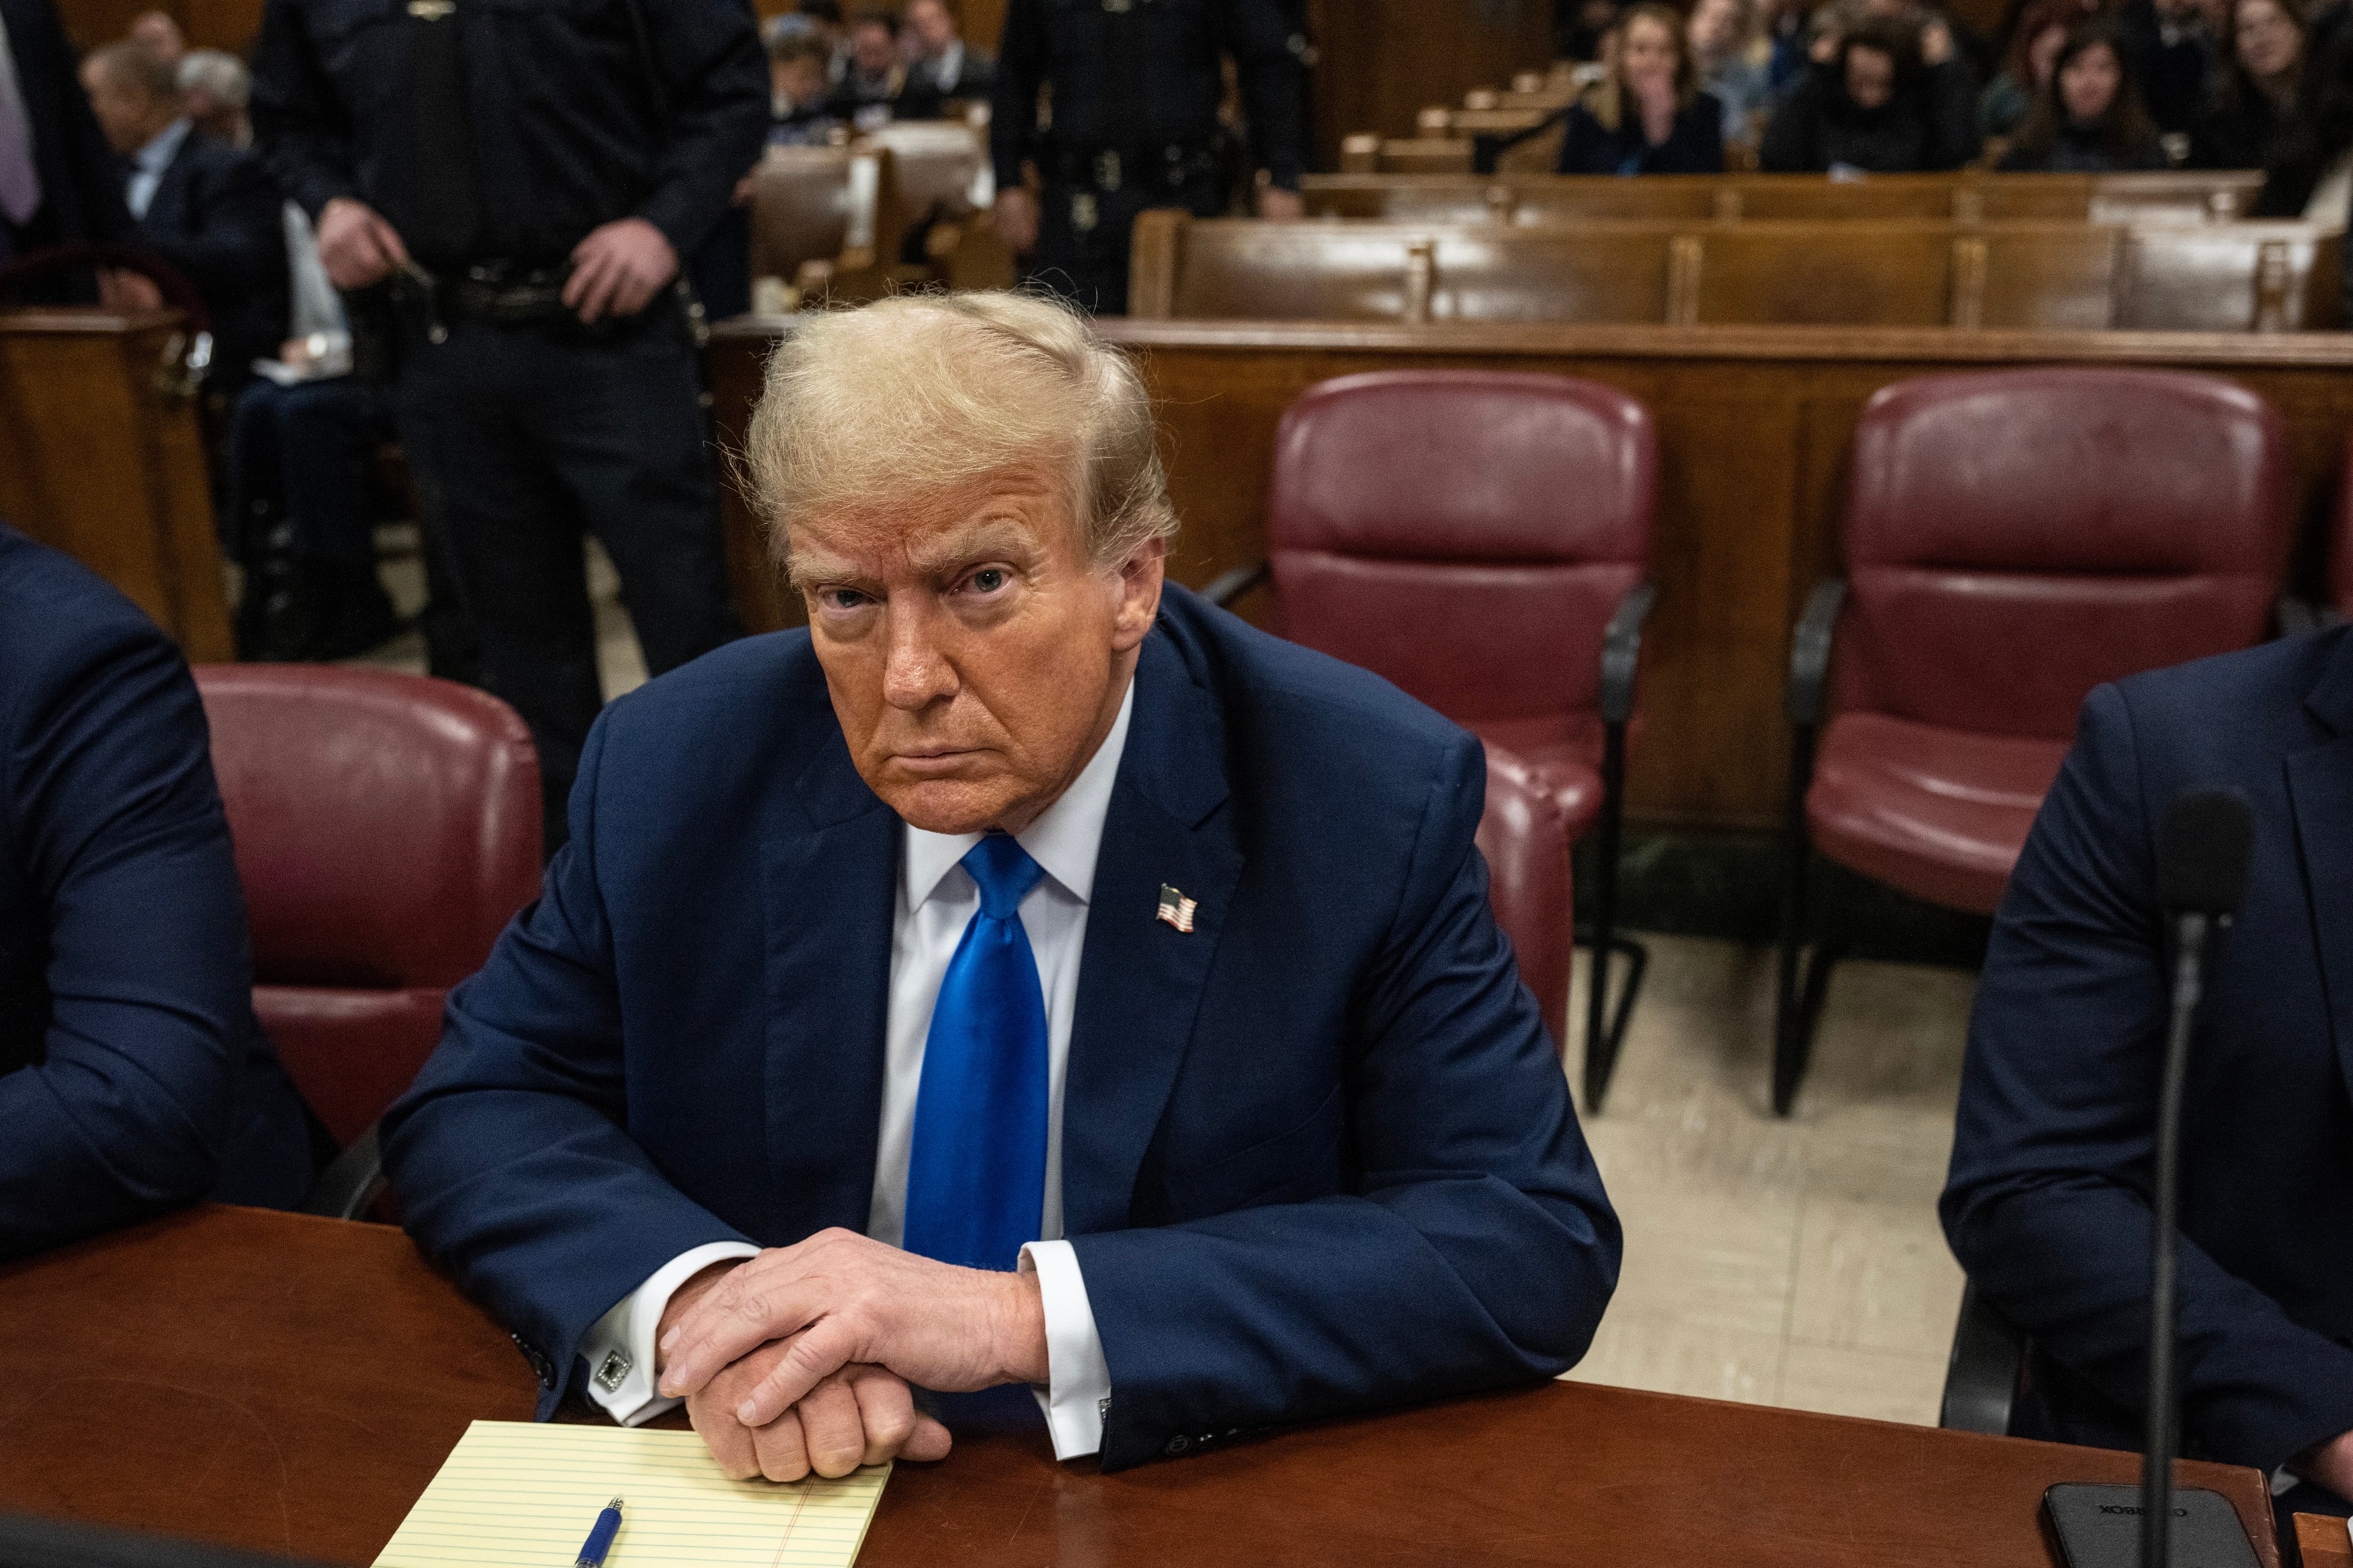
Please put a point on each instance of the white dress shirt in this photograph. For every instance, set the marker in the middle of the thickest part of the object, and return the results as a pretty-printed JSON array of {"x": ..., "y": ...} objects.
[
  {"x": 148, "y": 163},
  {"x": 937, "y": 898}
]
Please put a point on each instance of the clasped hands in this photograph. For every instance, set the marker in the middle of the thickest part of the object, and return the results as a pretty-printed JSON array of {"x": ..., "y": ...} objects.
[{"x": 801, "y": 1359}]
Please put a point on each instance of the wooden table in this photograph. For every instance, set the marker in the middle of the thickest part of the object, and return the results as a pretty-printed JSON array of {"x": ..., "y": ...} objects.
[
  {"x": 287, "y": 1384},
  {"x": 2321, "y": 1542}
]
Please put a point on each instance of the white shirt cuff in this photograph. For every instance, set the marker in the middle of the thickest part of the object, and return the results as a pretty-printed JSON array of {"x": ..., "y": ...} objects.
[
  {"x": 1078, "y": 1395},
  {"x": 620, "y": 1349}
]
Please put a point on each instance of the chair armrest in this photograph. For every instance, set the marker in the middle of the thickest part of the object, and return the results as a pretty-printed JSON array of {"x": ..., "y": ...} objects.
[
  {"x": 1809, "y": 652},
  {"x": 352, "y": 1180},
  {"x": 1231, "y": 586},
  {"x": 1621, "y": 651},
  {"x": 1981, "y": 1379},
  {"x": 2296, "y": 617}
]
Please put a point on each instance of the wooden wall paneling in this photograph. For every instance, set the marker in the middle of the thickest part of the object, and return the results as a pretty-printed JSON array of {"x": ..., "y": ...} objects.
[
  {"x": 230, "y": 25},
  {"x": 1754, "y": 423},
  {"x": 1381, "y": 62},
  {"x": 763, "y": 602},
  {"x": 102, "y": 465}
]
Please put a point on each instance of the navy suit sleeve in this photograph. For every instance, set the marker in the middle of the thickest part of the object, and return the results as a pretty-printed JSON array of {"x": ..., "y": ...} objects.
[
  {"x": 717, "y": 82},
  {"x": 1477, "y": 1248},
  {"x": 107, "y": 788},
  {"x": 508, "y": 1157},
  {"x": 235, "y": 239},
  {"x": 2046, "y": 1206}
]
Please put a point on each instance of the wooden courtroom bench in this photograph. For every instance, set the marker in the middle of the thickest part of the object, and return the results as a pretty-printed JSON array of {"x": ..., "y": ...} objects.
[
  {"x": 2217, "y": 278},
  {"x": 1753, "y": 424},
  {"x": 828, "y": 220},
  {"x": 1365, "y": 152},
  {"x": 2183, "y": 197},
  {"x": 101, "y": 455}
]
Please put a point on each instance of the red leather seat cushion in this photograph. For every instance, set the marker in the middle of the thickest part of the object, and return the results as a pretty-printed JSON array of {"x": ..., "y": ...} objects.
[
  {"x": 351, "y": 1053},
  {"x": 386, "y": 825},
  {"x": 1939, "y": 814},
  {"x": 1526, "y": 839}
]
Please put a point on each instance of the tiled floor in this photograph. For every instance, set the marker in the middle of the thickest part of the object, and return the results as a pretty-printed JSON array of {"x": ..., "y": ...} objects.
[
  {"x": 1792, "y": 1262},
  {"x": 1789, "y": 1262}
]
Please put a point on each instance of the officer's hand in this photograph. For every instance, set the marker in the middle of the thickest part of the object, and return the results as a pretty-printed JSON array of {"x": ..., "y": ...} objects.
[
  {"x": 357, "y": 246},
  {"x": 1278, "y": 206},
  {"x": 618, "y": 269},
  {"x": 839, "y": 1299},
  {"x": 1017, "y": 219}
]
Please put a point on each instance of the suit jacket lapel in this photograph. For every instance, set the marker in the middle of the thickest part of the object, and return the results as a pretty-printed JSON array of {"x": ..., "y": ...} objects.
[
  {"x": 829, "y": 895},
  {"x": 2320, "y": 789},
  {"x": 1140, "y": 979}
]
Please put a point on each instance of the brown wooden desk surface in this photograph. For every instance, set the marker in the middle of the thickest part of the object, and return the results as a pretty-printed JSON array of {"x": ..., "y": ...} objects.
[
  {"x": 2321, "y": 1542},
  {"x": 286, "y": 1384}
]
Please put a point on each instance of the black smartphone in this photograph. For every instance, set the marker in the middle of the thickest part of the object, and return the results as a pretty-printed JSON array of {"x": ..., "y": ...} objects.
[{"x": 2099, "y": 1527}]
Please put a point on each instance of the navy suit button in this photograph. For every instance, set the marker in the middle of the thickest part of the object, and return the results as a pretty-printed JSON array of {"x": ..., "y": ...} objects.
[{"x": 1178, "y": 1444}]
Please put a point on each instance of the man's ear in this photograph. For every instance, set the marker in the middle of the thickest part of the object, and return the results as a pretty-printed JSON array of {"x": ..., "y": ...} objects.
[{"x": 1140, "y": 578}]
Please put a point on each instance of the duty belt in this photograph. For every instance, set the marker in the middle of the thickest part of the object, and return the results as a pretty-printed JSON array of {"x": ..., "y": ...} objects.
[{"x": 1168, "y": 165}]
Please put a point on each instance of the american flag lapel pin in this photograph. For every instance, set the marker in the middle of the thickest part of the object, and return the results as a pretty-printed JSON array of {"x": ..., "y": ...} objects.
[{"x": 1176, "y": 908}]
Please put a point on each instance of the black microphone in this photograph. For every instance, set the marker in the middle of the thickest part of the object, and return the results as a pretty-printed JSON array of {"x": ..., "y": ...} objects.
[{"x": 2202, "y": 878}]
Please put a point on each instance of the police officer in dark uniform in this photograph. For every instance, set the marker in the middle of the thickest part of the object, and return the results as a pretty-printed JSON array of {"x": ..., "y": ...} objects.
[
  {"x": 528, "y": 174},
  {"x": 1135, "y": 89}
]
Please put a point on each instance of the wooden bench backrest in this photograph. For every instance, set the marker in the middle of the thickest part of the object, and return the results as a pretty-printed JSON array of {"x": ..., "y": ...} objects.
[
  {"x": 813, "y": 204},
  {"x": 2218, "y": 277},
  {"x": 936, "y": 161},
  {"x": 1963, "y": 198}
]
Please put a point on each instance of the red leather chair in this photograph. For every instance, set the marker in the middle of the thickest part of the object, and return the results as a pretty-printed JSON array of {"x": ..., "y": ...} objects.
[
  {"x": 2338, "y": 588},
  {"x": 1481, "y": 539},
  {"x": 1526, "y": 839},
  {"x": 386, "y": 827},
  {"x": 2012, "y": 540}
]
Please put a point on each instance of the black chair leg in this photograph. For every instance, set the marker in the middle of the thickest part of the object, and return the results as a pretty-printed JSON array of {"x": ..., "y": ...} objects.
[
  {"x": 1798, "y": 983},
  {"x": 1605, "y": 1029}
]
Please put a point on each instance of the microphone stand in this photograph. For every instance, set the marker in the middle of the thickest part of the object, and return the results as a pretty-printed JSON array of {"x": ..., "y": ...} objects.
[{"x": 2164, "y": 1306}]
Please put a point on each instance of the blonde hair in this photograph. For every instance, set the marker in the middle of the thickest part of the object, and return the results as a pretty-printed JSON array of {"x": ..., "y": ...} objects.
[{"x": 922, "y": 395}]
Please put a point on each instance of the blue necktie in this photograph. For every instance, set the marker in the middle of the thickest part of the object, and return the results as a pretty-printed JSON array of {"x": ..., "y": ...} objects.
[{"x": 976, "y": 1176}]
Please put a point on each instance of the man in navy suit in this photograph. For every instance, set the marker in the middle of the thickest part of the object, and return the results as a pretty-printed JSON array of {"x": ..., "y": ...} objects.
[
  {"x": 1027, "y": 974},
  {"x": 209, "y": 209},
  {"x": 2047, "y": 1204},
  {"x": 132, "y": 1075}
]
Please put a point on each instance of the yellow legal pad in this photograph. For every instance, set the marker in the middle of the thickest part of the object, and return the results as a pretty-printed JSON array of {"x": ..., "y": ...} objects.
[{"x": 515, "y": 1492}]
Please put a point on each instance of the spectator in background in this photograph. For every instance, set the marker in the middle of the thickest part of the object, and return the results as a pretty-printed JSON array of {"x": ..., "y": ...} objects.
[
  {"x": 1648, "y": 116},
  {"x": 1730, "y": 57},
  {"x": 1880, "y": 106},
  {"x": 1579, "y": 26},
  {"x": 59, "y": 181},
  {"x": 2308, "y": 169},
  {"x": 800, "y": 116},
  {"x": 2089, "y": 119},
  {"x": 2026, "y": 68},
  {"x": 215, "y": 88},
  {"x": 938, "y": 55},
  {"x": 878, "y": 87},
  {"x": 2261, "y": 104},
  {"x": 161, "y": 35},
  {"x": 208, "y": 208},
  {"x": 2174, "y": 60}
]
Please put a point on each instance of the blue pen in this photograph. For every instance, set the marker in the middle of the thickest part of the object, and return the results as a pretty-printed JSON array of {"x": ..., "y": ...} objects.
[{"x": 600, "y": 1540}]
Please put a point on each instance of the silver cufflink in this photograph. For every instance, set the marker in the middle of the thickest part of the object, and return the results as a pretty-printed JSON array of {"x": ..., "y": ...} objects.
[{"x": 613, "y": 1372}]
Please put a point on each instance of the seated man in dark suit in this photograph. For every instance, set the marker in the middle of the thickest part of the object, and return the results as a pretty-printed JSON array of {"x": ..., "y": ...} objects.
[
  {"x": 208, "y": 209},
  {"x": 132, "y": 1076},
  {"x": 877, "y": 86},
  {"x": 2047, "y": 1204},
  {"x": 1026, "y": 974},
  {"x": 936, "y": 51}
]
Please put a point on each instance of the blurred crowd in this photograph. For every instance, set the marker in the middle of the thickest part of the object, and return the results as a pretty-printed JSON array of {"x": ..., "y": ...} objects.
[{"x": 1902, "y": 86}]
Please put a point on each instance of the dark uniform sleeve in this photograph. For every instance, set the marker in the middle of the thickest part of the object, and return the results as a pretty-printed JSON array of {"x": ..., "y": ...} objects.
[
  {"x": 1274, "y": 88},
  {"x": 299, "y": 128},
  {"x": 106, "y": 783},
  {"x": 1013, "y": 99},
  {"x": 717, "y": 81}
]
